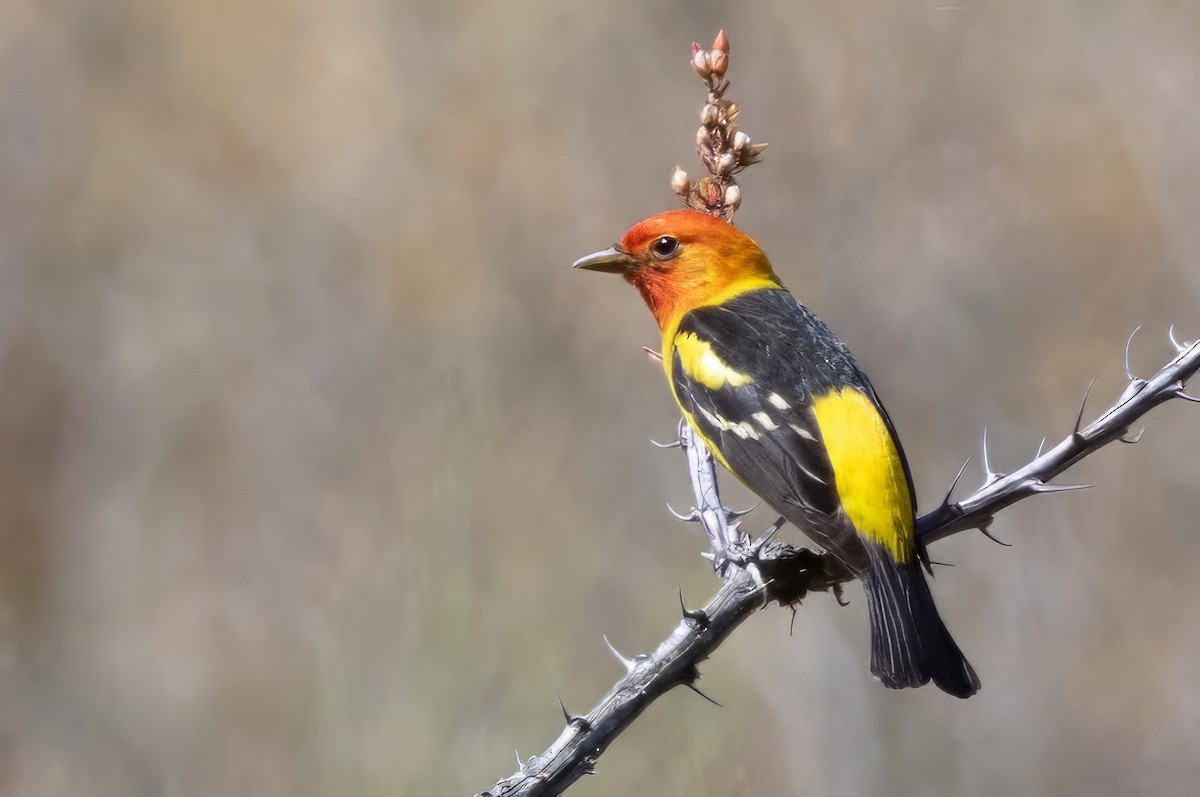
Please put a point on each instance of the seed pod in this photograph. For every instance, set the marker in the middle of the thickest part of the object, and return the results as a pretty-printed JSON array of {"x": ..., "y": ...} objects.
[
  {"x": 733, "y": 196},
  {"x": 679, "y": 182},
  {"x": 721, "y": 43},
  {"x": 718, "y": 63}
]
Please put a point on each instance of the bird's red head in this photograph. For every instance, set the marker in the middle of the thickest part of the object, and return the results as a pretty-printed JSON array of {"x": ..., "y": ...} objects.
[{"x": 683, "y": 259}]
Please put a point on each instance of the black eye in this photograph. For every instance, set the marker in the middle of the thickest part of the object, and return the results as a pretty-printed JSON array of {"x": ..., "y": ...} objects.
[{"x": 665, "y": 247}]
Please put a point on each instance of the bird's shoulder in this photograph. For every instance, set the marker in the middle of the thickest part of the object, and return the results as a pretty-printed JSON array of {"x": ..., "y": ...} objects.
[{"x": 770, "y": 338}]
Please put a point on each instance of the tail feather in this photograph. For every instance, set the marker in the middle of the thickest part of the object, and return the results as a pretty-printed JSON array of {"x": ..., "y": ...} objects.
[{"x": 909, "y": 643}]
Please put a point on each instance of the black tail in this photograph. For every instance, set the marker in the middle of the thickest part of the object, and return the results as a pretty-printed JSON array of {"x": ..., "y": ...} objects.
[{"x": 909, "y": 643}]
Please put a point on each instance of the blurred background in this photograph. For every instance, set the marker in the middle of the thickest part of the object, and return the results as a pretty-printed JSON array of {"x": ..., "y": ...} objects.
[{"x": 321, "y": 472}]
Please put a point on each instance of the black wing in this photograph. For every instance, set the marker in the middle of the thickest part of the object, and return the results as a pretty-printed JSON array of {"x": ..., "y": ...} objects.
[{"x": 760, "y": 419}]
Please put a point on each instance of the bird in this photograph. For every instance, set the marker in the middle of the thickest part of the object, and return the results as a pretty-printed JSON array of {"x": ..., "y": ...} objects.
[{"x": 785, "y": 407}]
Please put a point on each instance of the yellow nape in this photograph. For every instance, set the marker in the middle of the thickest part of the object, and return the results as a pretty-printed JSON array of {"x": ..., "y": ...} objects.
[
  {"x": 866, "y": 464},
  {"x": 701, "y": 363}
]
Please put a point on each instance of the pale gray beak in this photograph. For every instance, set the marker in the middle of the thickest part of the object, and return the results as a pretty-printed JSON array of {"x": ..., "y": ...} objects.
[{"x": 610, "y": 261}]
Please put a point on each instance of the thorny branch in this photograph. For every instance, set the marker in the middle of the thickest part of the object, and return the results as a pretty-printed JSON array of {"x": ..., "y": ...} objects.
[
  {"x": 764, "y": 570},
  {"x": 788, "y": 574}
]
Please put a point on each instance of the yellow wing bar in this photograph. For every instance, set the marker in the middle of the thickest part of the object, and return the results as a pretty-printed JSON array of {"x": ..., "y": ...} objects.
[{"x": 701, "y": 363}]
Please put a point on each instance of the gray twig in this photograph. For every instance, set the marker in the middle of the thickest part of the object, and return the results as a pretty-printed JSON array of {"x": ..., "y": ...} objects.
[{"x": 775, "y": 571}]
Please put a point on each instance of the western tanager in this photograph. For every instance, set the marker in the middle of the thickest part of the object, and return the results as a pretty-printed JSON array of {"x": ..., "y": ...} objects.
[{"x": 783, "y": 405}]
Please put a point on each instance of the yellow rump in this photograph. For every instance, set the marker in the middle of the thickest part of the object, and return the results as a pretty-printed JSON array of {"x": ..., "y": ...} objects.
[{"x": 866, "y": 465}]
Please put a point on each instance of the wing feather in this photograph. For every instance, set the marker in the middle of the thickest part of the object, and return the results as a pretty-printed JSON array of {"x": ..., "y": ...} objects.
[{"x": 762, "y": 424}]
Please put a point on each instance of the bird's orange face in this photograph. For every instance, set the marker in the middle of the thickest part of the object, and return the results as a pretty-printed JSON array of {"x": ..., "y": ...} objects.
[{"x": 683, "y": 259}]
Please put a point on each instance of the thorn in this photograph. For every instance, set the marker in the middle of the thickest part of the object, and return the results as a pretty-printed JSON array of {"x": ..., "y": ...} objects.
[
  {"x": 690, "y": 517},
  {"x": 987, "y": 468},
  {"x": 1180, "y": 394},
  {"x": 953, "y": 484},
  {"x": 1129, "y": 373},
  {"x": 520, "y": 763},
  {"x": 697, "y": 620},
  {"x": 1134, "y": 437},
  {"x": 1179, "y": 347},
  {"x": 839, "y": 595},
  {"x": 740, "y": 512},
  {"x": 709, "y": 555},
  {"x": 933, "y": 562},
  {"x": 989, "y": 475},
  {"x": 1040, "y": 446},
  {"x": 672, "y": 444},
  {"x": 983, "y": 527},
  {"x": 630, "y": 664},
  {"x": 579, "y": 722},
  {"x": 654, "y": 355},
  {"x": 706, "y": 697},
  {"x": 1083, "y": 404},
  {"x": 1041, "y": 487}
]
